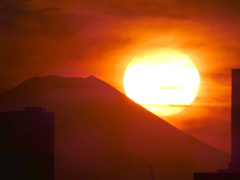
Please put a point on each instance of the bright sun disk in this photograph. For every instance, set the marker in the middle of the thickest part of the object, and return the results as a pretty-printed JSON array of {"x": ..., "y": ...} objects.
[{"x": 164, "y": 81}]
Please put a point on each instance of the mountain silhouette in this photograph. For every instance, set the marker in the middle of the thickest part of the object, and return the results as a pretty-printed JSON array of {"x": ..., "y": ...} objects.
[{"x": 102, "y": 134}]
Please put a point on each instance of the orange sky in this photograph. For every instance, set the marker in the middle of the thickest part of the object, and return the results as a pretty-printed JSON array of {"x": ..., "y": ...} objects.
[{"x": 82, "y": 38}]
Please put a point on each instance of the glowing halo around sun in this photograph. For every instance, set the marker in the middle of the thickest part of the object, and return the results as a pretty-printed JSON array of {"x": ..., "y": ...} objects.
[{"x": 163, "y": 80}]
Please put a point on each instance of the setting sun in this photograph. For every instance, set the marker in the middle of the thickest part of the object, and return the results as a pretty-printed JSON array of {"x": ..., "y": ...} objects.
[{"x": 162, "y": 80}]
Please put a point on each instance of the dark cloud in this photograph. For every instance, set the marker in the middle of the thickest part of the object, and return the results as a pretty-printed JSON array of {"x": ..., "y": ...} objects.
[
  {"x": 31, "y": 40},
  {"x": 53, "y": 9},
  {"x": 57, "y": 31},
  {"x": 169, "y": 87},
  {"x": 174, "y": 9},
  {"x": 223, "y": 78},
  {"x": 40, "y": 39}
]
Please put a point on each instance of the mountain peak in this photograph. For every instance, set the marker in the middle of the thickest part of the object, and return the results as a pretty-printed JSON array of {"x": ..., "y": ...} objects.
[
  {"x": 82, "y": 89},
  {"x": 91, "y": 77},
  {"x": 61, "y": 78}
]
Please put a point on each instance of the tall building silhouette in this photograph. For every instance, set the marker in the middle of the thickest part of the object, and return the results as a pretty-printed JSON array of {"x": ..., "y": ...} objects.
[
  {"x": 233, "y": 171},
  {"x": 27, "y": 144}
]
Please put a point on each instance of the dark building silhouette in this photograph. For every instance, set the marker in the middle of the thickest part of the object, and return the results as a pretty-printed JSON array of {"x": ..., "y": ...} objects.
[
  {"x": 233, "y": 171},
  {"x": 27, "y": 144}
]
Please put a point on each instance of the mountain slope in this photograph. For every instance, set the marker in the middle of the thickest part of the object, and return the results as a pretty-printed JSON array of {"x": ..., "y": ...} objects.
[
  {"x": 4, "y": 86},
  {"x": 101, "y": 134}
]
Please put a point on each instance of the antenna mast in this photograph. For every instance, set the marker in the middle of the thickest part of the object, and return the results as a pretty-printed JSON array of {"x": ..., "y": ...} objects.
[{"x": 151, "y": 172}]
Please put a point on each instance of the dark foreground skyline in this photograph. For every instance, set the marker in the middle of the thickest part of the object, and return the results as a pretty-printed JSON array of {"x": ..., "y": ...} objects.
[
  {"x": 27, "y": 144},
  {"x": 233, "y": 170}
]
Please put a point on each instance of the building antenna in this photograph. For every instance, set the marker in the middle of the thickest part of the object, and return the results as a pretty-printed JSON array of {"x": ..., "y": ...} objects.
[{"x": 151, "y": 172}]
